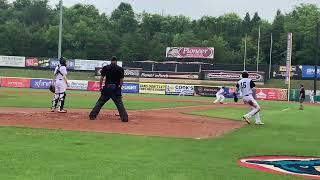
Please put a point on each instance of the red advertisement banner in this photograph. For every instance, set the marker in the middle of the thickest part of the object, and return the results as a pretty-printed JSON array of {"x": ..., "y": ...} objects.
[
  {"x": 190, "y": 52},
  {"x": 93, "y": 86},
  {"x": 32, "y": 62},
  {"x": 15, "y": 82},
  {"x": 271, "y": 94}
]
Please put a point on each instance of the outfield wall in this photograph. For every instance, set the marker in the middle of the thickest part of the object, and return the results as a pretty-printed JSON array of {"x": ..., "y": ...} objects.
[{"x": 144, "y": 88}]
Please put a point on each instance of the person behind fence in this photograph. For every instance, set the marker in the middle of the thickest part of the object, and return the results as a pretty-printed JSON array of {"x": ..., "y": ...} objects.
[
  {"x": 312, "y": 94},
  {"x": 302, "y": 96},
  {"x": 60, "y": 83},
  {"x": 113, "y": 76},
  {"x": 220, "y": 95}
]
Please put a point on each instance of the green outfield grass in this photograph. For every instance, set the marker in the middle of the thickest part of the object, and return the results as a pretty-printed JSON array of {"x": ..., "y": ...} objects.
[{"x": 38, "y": 154}]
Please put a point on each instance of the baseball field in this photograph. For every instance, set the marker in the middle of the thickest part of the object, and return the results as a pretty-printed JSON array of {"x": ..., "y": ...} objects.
[{"x": 168, "y": 137}]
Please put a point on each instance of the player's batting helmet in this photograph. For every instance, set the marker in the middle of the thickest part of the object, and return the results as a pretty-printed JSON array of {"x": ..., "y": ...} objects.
[{"x": 245, "y": 74}]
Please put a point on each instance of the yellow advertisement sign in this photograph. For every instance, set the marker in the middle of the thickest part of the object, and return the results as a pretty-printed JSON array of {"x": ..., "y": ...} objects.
[{"x": 150, "y": 88}]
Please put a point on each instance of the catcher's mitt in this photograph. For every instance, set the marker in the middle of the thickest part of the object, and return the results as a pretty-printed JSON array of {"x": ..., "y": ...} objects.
[
  {"x": 235, "y": 97},
  {"x": 52, "y": 88}
]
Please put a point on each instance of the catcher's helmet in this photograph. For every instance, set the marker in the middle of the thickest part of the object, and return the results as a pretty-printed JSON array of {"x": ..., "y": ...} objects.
[
  {"x": 245, "y": 74},
  {"x": 63, "y": 61}
]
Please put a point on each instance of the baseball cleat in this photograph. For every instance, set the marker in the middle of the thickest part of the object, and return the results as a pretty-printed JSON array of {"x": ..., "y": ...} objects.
[
  {"x": 92, "y": 118},
  {"x": 260, "y": 123},
  {"x": 53, "y": 110},
  {"x": 62, "y": 111},
  {"x": 246, "y": 119}
]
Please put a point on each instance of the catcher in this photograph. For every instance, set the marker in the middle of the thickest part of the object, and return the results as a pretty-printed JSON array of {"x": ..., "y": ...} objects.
[{"x": 59, "y": 86}]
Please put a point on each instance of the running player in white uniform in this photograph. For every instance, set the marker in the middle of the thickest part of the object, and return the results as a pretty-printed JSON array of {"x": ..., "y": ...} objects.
[
  {"x": 245, "y": 86},
  {"x": 60, "y": 82},
  {"x": 220, "y": 95}
]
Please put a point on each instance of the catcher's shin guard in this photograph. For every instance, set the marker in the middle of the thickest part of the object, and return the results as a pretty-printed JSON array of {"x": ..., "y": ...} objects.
[
  {"x": 55, "y": 101},
  {"x": 62, "y": 99}
]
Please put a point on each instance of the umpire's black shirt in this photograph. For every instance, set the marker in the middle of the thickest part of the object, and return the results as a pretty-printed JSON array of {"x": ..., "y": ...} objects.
[{"x": 113, "y": 74}]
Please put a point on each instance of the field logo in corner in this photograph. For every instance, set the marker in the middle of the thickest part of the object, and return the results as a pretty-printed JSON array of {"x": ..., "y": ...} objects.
[{"x": 308, "y": 167}]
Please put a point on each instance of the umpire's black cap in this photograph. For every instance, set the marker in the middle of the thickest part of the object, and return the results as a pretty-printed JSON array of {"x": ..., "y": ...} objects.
[{"x": 114, "y": 58}]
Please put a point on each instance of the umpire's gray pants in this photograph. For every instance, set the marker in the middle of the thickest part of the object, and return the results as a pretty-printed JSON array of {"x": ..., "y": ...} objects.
[{"x": 117, "y": 101}]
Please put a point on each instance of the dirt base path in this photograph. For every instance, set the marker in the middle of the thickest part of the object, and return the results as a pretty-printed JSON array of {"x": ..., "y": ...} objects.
[{"x": 171, "y": 122}]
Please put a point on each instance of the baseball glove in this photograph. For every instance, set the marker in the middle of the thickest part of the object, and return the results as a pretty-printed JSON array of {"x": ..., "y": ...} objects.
[
  {"x": 235, "y": 97},
  {"x": 52, "y": 88}
]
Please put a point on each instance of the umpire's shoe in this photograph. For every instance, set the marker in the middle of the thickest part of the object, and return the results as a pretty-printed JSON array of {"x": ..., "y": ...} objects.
[{"x": 92, "y": 117}]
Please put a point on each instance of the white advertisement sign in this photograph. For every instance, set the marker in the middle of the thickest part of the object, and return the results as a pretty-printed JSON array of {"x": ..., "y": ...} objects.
[
  {"x": 90, "y": 65},
  {"x": 12, "y": 61},
  {"x": 179, "y": 89},
  {"x": 78, "y": 85}
]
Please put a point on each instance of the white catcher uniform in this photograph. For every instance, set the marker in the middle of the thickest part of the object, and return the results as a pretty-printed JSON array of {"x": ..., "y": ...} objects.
[
  {"x": 60, "y": 87},
  {"x": 220, "y": 96},
  {"x": 245, "y": 86}
]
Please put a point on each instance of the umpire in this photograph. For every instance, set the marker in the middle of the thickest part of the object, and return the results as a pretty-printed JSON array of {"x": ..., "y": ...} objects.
[{"x": 113, "y": 76}]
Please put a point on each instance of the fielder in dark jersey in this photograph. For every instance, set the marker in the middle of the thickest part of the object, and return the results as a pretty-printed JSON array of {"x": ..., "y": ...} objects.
[
  {"x": 113, "y": 75},
  {"x": 302, "y": 96}
]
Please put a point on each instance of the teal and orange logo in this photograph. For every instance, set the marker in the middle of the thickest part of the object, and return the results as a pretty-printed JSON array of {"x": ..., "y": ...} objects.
[{"x": 308, "y": 167}]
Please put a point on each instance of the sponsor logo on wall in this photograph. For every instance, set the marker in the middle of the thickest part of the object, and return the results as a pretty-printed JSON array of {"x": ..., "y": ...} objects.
[
  {"x": 54, "y": 62},
  {"x": 12, "y": 61},
  {"x": 179, "y": 89},
  {"x": 308, "y": 71},
  {"x": 232, "y": 75},
  {"x": 40, "y": 83},
  {"x": 280, "y": 72},
  {"x": 308, "y": 167},
  {"x": 168, "y": 75},
  {"x": 130, "y": 88},
  {"x": 90, "y": 65},
  {"x": 190, "y": 52},
  {"x": 150, "y": 88},
  {"x": 127, "y": 72},
  {"x": 32, "y": 62},
  {"x": 78, "y": 85},
  {"x": 206, "y": 90},
  {"x": 15, "y": 82},
  {"x": 271, "y": 94}
]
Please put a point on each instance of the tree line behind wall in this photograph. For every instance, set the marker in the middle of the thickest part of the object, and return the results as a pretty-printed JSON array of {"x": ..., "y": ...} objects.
[{"x": 30, "y": 28}]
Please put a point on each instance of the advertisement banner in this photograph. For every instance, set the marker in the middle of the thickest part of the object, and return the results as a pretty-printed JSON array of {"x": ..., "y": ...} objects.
[
  {"x": 40, "y": 83},
  {"x": 168, "y": 75},
  {"x": 93, "y": 86},
  {"x": 289, "y": 55},
  {"x": 78, "y": 85},
  {"x": 12, "y": 61},
  {"x": 15, "y": 82},
  {"x": 308, "y": 71},
  {"x": 127, "y": 72},
  {"x": 190, "y": 52},
  {"x": 130, "y": 88},
  {"x": 126, "y": 88},
  {"x": 271, "y": 94},
  {"x": 206, "y": 90},
  {"x": 232, "y": 76},
  {"x": 54, "y": 62},
  {"x": 32, "y": 62},
  {"x": 280, "y": 72},
  {"x": 179, "y": 89},
  {"x": 90, "y": 65},
  {"x": 150, "y": 88}
]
